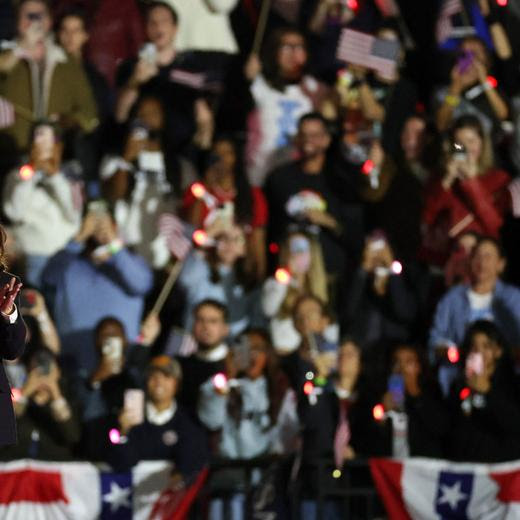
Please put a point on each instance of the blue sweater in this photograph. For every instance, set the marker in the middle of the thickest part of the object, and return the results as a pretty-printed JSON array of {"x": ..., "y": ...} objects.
[
  {"x": 82, "y": 293},
  {"x": 453, "y": 315}
]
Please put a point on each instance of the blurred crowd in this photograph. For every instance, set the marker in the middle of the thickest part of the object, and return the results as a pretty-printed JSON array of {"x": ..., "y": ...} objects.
[{"x": 342, "y": 244}]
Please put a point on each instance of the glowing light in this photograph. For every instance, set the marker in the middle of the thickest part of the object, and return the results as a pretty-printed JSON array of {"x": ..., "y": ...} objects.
[
  {"x": 282, "y": 276},
  {"x": 16, "y": 394},
  {"x": 200, "y": 237},
  {"x": 397, "y": 267},
  {"x": 336, "y": 473},
  {"x": 464, "y": 393},
  {"x": 378, "y": 412},
  {"x": 308, "y": 388},
  {"x": 220, "y": 381},
  {"x": 492, "y": 81},
  {"x": 26, "y": 172},
  {"x": 198, "y": 189},
  {"x": 274, "y": 248},
  {"x": 502, "y": 3},
  {"x": 309, "y": 376},
  {"x": 453, "y": 354},
  {"x": 114, "y": 435},
  {"x": 353, "y": 4},
  {"x": 367, "y": 167}
]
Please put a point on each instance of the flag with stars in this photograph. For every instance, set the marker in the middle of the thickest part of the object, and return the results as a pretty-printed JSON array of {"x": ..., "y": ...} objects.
[
  {"x": 441, "y": 490},
  {"x": 61, "y": 491}
]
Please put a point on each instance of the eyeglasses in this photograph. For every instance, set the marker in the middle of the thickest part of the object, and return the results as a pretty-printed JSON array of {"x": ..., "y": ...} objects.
[{"x": 292, "y": 47}]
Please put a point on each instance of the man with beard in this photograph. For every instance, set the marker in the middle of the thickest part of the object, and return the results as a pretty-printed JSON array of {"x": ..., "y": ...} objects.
[
  {"x": 299, "y": 194},
  {"x": 93, "y": 277},
  {"x": 486, "y": 297}
]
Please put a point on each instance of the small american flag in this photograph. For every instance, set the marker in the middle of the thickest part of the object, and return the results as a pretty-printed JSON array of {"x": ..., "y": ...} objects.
[
  {"x": 514, "y": 190},
  {"x": 180, "y": 343},
  {"x": 444, "y": 27},
  {"x": 364, "y": 49},
  {"x": 6, "y": 113},
  {"x": 173, "y": 230}
]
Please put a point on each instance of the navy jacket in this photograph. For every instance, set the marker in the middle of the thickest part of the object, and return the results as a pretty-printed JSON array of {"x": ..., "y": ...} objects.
[{"x": 12, "y": 343}]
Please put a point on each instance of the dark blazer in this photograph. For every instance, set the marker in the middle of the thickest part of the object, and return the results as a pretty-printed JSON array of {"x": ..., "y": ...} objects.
[{"x": 12, "y": 343}]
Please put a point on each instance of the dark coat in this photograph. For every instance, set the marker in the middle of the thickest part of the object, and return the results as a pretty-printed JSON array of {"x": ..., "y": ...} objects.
[{"x": 12, "y": 343}]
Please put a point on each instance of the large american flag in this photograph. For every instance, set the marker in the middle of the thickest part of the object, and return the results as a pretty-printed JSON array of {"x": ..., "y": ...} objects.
[
  {"x": 444, "y": 27},
  {"x": 364, "y": 49}
]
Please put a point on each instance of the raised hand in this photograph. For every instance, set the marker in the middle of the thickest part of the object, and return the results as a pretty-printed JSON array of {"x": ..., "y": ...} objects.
[{"x": 8, "y": 295}]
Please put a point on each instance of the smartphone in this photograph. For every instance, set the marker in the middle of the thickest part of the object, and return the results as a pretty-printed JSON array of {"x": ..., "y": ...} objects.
[
  {"x": 44, "y": 139},
  {"x": 148, "y": 53},
  {"x": 458, "y": 152},
  {"x": 465, "y": 61},
  {"x": 134, "y": 404},
  {"x": 99, "y": 206},
  {"x": 397, "y": 389},
  {"x": 112, "y": 347},
  {"x": 242, "y": 354},
  {"x": 474, "y": 364}
]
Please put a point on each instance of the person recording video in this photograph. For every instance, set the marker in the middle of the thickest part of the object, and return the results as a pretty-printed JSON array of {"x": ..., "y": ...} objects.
[
  {"x": 48, "y": 427},
  {"x": 42, "y": 201}
]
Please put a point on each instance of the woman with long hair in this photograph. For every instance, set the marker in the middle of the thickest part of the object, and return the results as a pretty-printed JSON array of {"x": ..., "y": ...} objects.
[
  {"x": 470, "y": 195},
  {"x": 230, "y": 197},
  {"x": 485, "y": 408},
  {"x": 302, "y": 272}
]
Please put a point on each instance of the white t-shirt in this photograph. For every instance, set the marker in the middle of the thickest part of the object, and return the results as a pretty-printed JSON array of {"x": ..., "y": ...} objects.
[
  {"x": 274, "y": 121},
  {"x": 480, "y": 305}
]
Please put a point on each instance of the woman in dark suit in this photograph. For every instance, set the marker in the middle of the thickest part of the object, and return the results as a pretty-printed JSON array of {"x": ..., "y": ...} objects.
[{"x": 12, "y": 342}]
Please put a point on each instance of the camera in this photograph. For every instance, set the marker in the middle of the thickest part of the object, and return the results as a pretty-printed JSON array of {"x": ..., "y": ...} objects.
[{"x": 458, "y": 152}]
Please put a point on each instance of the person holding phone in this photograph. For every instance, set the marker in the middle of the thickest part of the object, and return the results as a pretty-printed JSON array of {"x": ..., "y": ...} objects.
[
  {"x": 48, "y": 426},
  {"x": 94, "y": 277},
  {"x": 382, "y": 303},
  {"x": 485, "y": 296},
  {"x": 484, "y": 403},
  {"x": 42, "y": 201},
  {"x": 302, "y": 272},
  {"x": 415, "y": 421},
  {"x": 469, "y": 91},
  {"x": 158, "y": 428},
  {"x": 470, "y": 194},
  {"x": 64, "y": 97},
  {"x": 12, "y": 341},
  {"x": 118, "y": 368}
]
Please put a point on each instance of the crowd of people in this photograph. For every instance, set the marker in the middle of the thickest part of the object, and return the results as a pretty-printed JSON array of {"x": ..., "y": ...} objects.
[{"x": 343, "y": 242}]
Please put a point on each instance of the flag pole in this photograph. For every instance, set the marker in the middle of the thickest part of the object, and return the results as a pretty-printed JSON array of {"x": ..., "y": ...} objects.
[
  {"x": 408, "y": 40},
  {"x": 260, "y": 26},
  {"x": 464, "y": 14},
  {"x": 175, "y": 271}
]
